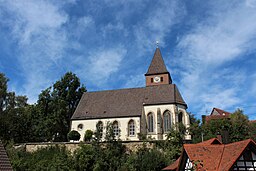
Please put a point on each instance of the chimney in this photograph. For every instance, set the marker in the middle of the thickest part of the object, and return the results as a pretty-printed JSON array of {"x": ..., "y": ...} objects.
[
  {"x": 203, "y": 119},
  {"x": 225, "y": 136}
]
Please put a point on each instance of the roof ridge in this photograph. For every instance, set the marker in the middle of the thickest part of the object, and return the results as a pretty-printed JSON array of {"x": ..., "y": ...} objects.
[
  {"x": 149, "y": 87},
  {"x": 221, "y": 156},
  {"x": 115, "y": 89}
]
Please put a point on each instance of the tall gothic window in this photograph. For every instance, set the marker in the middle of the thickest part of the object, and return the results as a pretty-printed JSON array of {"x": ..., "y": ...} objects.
[
  {"x": 167, "y": 121},
  {"x": 180, "y": 116},
  {"x": 115, "y": 128},
  {"x": 131, "y": 128},
  {"x": 150, "y": 122},
  {"x": 99, "y": 127}
]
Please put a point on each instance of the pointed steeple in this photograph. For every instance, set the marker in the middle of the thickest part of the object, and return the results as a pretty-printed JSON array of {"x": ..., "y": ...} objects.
[
  {"x": 157, "y": 65},
  {"x": 157, "y": 73}
]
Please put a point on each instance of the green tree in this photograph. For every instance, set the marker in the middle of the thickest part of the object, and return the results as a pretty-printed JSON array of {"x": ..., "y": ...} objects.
[
  {"x": 88, "y": 135},
  {"x": 3, "y": 91},
  {"x": 74, "y": 135},
  {"x": 57, "y": 104},
  {"x": 85, "y": 158},
  {"x": 235, "y": 128},
  {"x": 50, "y": 158},
  {"x": 239, "y": 126},
  {"x": 111, "y": 155},
  {"x": 145, "y": 158}
]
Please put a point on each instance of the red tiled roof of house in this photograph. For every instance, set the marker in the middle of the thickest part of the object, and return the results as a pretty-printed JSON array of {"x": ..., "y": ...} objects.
[
  {"x": 217, "y": 114},
  {"x": 211, "y": 141},
  {"x": 220, "y": 111},
  {"x": 215, "y": 157},
  {"x": 173, "y": 166}
]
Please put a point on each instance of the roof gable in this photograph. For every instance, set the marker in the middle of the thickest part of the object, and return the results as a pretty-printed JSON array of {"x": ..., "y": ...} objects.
[
  {"x": 232, "y": 152},
  {"x": 212, "y": 141},
  {"x": 208, "y": 155},
  {"x": 215, "y": 157},
  {"x": 216, "y": 111},
  {"x": 5, "y": 164},
  {"x": 157, "y": 65}
]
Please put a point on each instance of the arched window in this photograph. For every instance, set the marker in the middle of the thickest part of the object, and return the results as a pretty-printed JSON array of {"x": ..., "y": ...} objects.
[
  {"x": 115, "y": 128},
  {"x": 167, "y": 121},
  {"x": 99, "y": 128},
  {"x": 150, "y": 122},
  {"x": 180, "y": 116},
  {"x": 131, "y": 128}
]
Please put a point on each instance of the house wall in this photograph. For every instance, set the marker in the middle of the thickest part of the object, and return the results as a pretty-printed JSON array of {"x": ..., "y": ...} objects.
[
  {"x": 157, "y": 134},
  {"x": 90, "y": 124}
]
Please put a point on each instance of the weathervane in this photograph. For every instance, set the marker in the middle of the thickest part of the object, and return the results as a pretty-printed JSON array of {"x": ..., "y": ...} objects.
[{"x": 157, "y": 42}]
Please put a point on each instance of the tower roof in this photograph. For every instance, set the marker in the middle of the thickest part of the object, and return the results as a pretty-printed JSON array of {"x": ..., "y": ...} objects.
[{"x": 157, "y": 65}]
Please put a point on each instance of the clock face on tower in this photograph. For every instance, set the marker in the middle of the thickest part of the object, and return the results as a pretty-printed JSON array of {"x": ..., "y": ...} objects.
[{"x": 156, "y": 79}]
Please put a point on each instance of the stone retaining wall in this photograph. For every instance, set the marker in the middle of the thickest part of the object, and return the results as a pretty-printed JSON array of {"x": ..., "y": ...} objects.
[{"x": 72, "y": 146}]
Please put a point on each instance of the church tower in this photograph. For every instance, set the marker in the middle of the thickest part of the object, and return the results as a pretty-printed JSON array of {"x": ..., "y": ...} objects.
[{"x": 157, "y": 73}]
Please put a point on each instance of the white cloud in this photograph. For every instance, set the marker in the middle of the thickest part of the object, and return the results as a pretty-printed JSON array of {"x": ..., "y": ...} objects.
[
  {"x": 158, "y": 24},
  {"x": 37, "y": 26},
  {"x": 103, "y": 63},
  {"x": 226, "y": 36},
  {"x": 251, "y": 3},
  {"x": 135, "y": 81}
]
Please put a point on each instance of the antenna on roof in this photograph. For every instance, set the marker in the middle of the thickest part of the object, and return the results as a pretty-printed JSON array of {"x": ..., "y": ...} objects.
[{"x": 157, "y": 43}]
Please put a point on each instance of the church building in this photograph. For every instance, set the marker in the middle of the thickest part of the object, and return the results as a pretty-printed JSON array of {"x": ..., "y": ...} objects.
[{"x": 151, "y": 110}]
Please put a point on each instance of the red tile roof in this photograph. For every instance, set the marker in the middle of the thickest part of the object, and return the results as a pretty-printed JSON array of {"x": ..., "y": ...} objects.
[
  {"x": 252, "y": 121},
  {"x": 220, "y": 111},
  {"x": 211, "y": 141},
  {"x": 217, "y": 114},
  {"x": 213, "y": 155},
  {"x": 173, "y": 166}
]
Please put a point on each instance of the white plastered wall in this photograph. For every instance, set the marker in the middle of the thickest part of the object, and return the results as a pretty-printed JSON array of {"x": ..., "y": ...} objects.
[{"x": 90, "y": 124}]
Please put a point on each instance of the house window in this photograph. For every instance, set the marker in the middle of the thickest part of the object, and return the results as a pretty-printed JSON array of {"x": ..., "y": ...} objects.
[
  {"x": 115, "y": 128},
  {"x": 150, "y": 122},
  {"x": 80, "y": 127},
  {"x": 99, "y": 128},
  {"x": 131, "y": 127},
  {"x": 180, "y": 116},
  {"x": 162, "y": 79},
  {"x": 152, "y": 80},
  {"x": 167, "y": 121},
  {"x": 189, "y": 165}
]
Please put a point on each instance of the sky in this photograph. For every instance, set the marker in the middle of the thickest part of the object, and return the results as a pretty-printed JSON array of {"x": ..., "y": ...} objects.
[{"x": 209, "y": 47}]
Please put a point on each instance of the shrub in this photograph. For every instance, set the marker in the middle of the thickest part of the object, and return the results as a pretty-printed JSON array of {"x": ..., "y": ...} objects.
[
  {"x": 74, "y": 135},
  {"x": 88, "y": 135}
]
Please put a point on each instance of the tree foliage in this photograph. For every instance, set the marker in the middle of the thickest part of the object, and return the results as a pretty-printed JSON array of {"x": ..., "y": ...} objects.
[
  {"x": 235, "y": 128},
  {"x": 88, "y": 135},
  {"x": 47, "y": 120},
  {"x": 50, "y": 158},
  {"x": 74, "y": 135}
]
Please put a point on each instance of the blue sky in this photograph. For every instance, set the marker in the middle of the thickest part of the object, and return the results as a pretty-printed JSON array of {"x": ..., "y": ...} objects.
[{"x": 209, "y": 47}]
